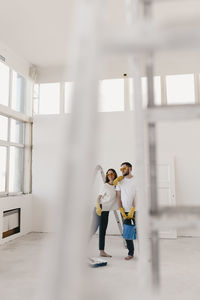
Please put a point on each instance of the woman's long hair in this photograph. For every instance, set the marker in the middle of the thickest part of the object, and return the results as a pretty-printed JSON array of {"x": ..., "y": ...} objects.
[{"x": 115, "y": 173}]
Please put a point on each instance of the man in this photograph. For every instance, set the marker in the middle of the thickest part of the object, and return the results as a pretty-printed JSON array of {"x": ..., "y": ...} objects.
[{"x": 126, "y": 195}]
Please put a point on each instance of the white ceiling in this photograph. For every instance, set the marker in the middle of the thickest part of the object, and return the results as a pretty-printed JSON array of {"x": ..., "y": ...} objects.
[{"x": 38, "y": 30}]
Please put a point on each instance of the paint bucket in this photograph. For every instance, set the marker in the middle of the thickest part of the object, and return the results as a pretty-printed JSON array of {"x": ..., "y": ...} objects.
[{"x": 129, "y": 232}]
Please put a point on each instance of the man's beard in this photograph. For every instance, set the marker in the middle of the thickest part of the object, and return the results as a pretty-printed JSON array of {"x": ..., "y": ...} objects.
[{"x": 126, "y": 174}]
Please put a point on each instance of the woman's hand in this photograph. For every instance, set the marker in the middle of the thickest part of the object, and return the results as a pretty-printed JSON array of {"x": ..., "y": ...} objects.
[{"x": 98, "y": 209}]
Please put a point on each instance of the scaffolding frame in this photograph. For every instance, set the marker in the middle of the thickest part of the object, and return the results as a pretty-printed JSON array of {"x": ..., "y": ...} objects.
[{"x": 87, "y": 60}]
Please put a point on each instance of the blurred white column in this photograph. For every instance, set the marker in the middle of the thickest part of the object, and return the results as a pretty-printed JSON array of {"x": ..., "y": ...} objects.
[{"x": 69, "y": 278}]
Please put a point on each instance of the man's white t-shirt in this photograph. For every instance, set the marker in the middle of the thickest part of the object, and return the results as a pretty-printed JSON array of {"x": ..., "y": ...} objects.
[
  {"x": 128, "y": 192},
  {"x": 109, "y": 198}
]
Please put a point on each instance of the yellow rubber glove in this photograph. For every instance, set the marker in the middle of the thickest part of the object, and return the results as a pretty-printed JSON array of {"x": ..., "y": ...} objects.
[
  {"x": 131, "y": 213},
  {"x": 123, "y": 213},
  {"x": 117, "y": 180},
  {"x": 98, "y": 209}
]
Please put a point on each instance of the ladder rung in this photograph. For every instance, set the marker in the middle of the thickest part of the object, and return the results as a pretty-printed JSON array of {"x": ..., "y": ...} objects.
[
  {"x": 173, "y": 113},
  {"x": 176, "y": 217}
]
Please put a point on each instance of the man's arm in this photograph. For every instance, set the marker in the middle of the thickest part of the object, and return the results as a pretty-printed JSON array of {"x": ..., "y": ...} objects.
[
  {"x": 134, "y": 202},
  {"x": 120, "y": 205},
  {"x": 131, "y": 212}
]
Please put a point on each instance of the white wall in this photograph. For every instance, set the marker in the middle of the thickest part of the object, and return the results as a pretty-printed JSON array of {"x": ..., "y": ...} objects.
[
  {"x": 14, "y": 60},
  {"x": 173, "y": 62},
  {"x": 25, "y": 203},
  {"x": 48, "y": 132},
  {"x": 116, "y": 144},
  {"x": 182, "y": 140}
]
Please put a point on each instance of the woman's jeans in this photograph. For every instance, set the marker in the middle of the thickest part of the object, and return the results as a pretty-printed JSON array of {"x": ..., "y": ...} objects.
[{"x": 100, "y": 222}]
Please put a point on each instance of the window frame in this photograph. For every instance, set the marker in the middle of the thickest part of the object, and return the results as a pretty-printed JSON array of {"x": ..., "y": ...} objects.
[
  {"x": 8, "y": 144},
  {"x": 10, "y": 113},
  {"x": 9, "y": 83}
]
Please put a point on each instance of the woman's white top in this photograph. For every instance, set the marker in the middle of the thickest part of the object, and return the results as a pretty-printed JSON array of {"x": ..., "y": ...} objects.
[{"x": 109, "y": 198}]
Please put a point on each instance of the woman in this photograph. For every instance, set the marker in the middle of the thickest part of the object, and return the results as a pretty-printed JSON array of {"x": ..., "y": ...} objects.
[{"x": 106, "y": 201}]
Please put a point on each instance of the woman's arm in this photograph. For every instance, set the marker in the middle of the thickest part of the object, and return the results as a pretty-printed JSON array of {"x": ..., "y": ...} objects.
[{"x": 99, "y": 198}]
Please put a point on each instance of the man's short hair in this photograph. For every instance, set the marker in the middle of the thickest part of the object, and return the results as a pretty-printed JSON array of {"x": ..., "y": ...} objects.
[{"x": 128, "y": 164}]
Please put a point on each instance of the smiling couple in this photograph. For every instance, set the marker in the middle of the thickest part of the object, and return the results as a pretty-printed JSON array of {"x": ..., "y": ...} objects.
[{"x": 116, "y": 193}]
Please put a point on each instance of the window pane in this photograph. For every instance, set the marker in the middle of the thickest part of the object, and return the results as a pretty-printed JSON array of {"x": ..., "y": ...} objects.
[
  {"x": 111, "y": 95},
  {"x": 180, "y": 89},
  {"x": 18, "y": 92},
  {"x": 4, "y": 84},
  {"x": 16, "y": 170},
  {"x": 3, "y": 153},
  {"x": 49, "y": 98},
  {"x": 69, "y": 86},
  {"x": 3, "y": 128},
  {"x": 17, "y": 131}
]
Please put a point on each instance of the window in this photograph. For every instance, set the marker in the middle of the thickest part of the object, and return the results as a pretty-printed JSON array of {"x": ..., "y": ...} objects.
[
  {"x": 180, "y": 89},
  {"x": 3, "y": 153},
  {"x": 47, "y": 98},
  {"x": 111, "y": 95},
  {"x": 17, "y": 131},
  {"x": 12, "y": 149},
  {"x": 16, "y": 170},
  {"x": 69, "y": 86},
  {"x": 3, "y": 128},
  {"x": 18, "y": 92},
  {"x": 4, "y": 84},
  {"x": 15, "y": 158}
]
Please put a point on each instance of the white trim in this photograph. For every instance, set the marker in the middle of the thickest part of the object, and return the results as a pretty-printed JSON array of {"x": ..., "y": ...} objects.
[
  {"x": 62, "y": 97},
  {"x": 163, "y": 90},
  {"x": 126, "y": 94},
  {"x": 7, "y": 112},
  {"x": 27, "y": 158},
  {"x": 196, "y": 88},
  {"x": 8, "y": 144},
  {"x": 8, "y": 158}
]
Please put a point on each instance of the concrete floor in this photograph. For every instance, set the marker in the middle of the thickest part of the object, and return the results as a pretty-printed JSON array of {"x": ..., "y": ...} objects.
[{"x": 20, "y": 273}]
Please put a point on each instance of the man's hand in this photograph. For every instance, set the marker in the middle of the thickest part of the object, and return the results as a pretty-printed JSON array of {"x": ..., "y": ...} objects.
[
  {"x": 117, "y": 180},
  {"x": 123, "y": 213},
  {"x": 131, "y": 213}
]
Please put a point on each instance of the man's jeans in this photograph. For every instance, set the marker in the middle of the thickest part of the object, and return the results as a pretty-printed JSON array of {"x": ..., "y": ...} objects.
[{"x": 129, "y": 243}]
